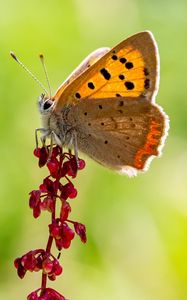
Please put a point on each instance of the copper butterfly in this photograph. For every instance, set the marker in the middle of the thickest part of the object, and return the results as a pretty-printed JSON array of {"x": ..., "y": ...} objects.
[{"x": 106, "y": 108}]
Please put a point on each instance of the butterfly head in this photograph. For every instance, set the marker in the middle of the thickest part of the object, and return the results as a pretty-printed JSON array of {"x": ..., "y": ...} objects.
[{"x": 45, "y": 105}]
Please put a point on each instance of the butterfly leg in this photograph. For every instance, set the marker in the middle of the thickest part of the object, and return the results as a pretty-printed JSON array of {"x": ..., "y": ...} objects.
[
  {"x": 43, "y": 137},
  {"x": 74, "y": 142},
  {"x": 51, "y": 144},
  {"x": 54, "y": 139}
]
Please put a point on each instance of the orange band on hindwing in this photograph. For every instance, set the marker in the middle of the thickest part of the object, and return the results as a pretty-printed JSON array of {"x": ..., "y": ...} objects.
[{"x": 150, "y": 147}]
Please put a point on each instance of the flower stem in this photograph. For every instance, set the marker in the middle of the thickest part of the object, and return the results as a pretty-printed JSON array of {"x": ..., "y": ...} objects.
[
  {"x": 44, "y": 282},
  {"x": 49, "y": 244}
]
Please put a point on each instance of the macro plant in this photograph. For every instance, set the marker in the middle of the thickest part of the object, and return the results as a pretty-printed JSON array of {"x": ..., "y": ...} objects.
[{"x": 57, "y": 186}]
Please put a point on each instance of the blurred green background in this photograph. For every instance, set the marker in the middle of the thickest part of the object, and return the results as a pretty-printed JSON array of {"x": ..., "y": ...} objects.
[{"x": 137, "y": 228}]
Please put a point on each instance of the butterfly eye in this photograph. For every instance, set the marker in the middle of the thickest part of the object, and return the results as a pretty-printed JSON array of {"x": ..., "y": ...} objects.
[{"x": 47, "y": 104}]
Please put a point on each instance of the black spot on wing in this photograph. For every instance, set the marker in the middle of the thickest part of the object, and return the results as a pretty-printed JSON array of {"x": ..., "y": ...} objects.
[
  {"x": 91, "y": 85},
  {"x": 146, "y": 72},
  {"x": 121, "y": 77},
  {"x": 147, "y": 83},
  {"x": 114, "y": 57},
  {"x": 129, "y": 65},
  {"x": 77, "y": 95},
  {"x": 123, "y": 60},
  {"x": 129, "y": 85},
  {"x": 105, "y": 73}
]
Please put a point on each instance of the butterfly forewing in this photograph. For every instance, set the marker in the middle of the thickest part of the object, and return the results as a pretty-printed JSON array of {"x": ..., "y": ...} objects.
[
  {"x": 130, "y": 69},
  {"x": 84, "y": 65}
]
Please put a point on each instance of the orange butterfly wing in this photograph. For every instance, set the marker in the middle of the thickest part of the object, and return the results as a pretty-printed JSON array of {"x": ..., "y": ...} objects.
[
  {"x": 85, "y": 64},
  {"x": 130, "y": 69},
  {"x": 101, "y": 92}
]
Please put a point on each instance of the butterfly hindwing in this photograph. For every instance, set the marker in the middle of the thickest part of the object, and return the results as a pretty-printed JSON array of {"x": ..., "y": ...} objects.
[
  {"x": 131, "y": 69},
  {"x": 120, "y": 133}
]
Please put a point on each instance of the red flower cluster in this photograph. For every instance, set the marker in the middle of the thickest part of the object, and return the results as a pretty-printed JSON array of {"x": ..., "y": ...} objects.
[
  {"x": 37, "y": 260},
  {"x": 48, "y": 294},
  {"x": 61, "y": 166},
  {"x": 62, "y": 234}
]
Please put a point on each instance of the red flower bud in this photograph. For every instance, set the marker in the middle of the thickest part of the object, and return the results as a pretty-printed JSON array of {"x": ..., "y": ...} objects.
[
  {"x": 43, "y": 154},
  {"x": 67, "y": 190},
  {"x": 73, "y": 167},
  {"x": 55, "y": 231},
  {"x": 47, "y": 204},
  {"x": 34, "y": 198},
  {"x": 37, "y": 152},
  {"x": 81, "y": 164},
  {"x": 33, "y": 296},
  {"x": 65, "y": 211},
  {"x": 56, "y": 151},
  {"x": 80, "y": 229},
  {"x": 73, "y": 194},
  {"x": 53, "y": 166},
  {"x": 47, "y": 266}
]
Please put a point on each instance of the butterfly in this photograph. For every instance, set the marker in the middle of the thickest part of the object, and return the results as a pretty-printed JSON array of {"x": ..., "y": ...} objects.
[{"x": 106, "y": 108}]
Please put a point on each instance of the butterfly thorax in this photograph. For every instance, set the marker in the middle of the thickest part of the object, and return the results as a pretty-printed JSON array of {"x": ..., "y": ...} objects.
[{"x": 54, "y": 124}]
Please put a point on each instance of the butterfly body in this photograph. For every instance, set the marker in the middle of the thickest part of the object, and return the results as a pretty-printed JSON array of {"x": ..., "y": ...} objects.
[
  {"x": 106, "y": 108},
  {"x": 55, "y": 124}
]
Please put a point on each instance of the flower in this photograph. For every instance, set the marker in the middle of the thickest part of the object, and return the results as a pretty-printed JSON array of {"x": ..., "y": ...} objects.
[
  {"x": 34, "y": 202},
  {"x": 47, "y": 294},
  {"x": 68, "y": 191},
  {"x": 42, "y": 154},
  {"x": 80, "y": 229},
  {"x": 62, "y": 234},
  {"x": 65, "y": 211},
  {"x": 37, "y": 260},
  {"x": 61, "y": 166}
]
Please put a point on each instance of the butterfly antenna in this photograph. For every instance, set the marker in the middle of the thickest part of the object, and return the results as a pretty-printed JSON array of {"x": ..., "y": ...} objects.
[
  {"x": 46, "y": 73},
  {"x": 28, "y": 71}
]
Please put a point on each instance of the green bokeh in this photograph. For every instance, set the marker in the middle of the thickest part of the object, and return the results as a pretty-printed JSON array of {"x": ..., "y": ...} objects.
[{"x": 137, "y": 228}]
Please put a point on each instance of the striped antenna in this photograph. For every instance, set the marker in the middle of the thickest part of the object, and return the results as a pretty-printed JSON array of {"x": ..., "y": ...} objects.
[
  {"x": 28, "y": 71},
  {"x": 45, "y": 71}
]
